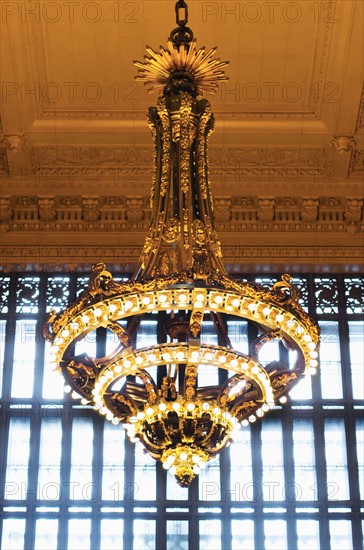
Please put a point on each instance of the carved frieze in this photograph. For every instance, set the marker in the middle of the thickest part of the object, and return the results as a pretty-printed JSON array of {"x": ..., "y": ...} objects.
[
  {"x": 237, "y": 163},
  {"x": 123, "y": 257}
]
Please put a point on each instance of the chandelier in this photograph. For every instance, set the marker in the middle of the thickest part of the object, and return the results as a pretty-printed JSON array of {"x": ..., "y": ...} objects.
[{"x": 181, "y": 274}]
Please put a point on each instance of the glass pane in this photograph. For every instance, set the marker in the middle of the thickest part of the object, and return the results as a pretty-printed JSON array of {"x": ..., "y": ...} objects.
[
  {"x": 82, "y": 285},
  {"x": 144, "y": 534},
  {"x": 360, "y": 454},
  {"x": 242, "y": 533},
  {"x": 46, "y": 531},
  {"x": 177, "y": 535},
  {"x": 238, "y": 334},
  {"x": 4, "y": 294},
  {"x": 13, "y": 534},
  {"x": 336, "y": 460},
  {"x": 53, "y": 381},
  {"x": 111, "y": 534},
  {"x": 308, "y": 534},
  {"x": 174, "y": 491},
  {"x": 356, "y": 345},
  {"x": 145, "y": 475},
  {"x": 27, "y": 294},
  {"x": 269, "y": 352},
  {"x": 326, "y": 295},
  {"x": 302, "y": 286},
  {"x": 272, "y": 456},
  {"x": 210, "y": 534},
  {"x": 57, "y": 293},
  {"x": 302, "y": 390},
  {"x": 209, "y": 481},
  {"x": 147, "y": 334},
  {"x": 81, "y": 460},
  {"x": 79, "y": 534},
  {"x": 112, "y": 341},
  {"x": 50, "y": 459},
  {"x": 330, "y": 361},
  {"x": 24, "y": 357},
  {"x": 87, "y": 345},
  {"x": 208, "y": 333},
  {"x": 113, "y": 463},
  {"x": 16, "y": 484},
  {"x": 354, "y": 292},
  {"x": 340, "y": 535},
  {"x": 304, "y": 460},
  {"x": 241, "y": 474},
  {"x": 275, "y": 534},
  {"x": 2, "y": 351},
  {"x": 208, "y": 375}
]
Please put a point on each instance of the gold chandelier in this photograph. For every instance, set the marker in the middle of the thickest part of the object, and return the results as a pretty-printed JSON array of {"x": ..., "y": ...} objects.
[{"x": 182, "y": 274}]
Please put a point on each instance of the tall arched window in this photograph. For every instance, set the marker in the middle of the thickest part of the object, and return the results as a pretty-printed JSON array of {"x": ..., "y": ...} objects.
[{"x": 71, "y": 480}]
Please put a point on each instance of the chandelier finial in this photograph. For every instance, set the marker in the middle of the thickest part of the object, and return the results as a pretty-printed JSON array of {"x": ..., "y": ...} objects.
[{"x": 185, "y": 68}]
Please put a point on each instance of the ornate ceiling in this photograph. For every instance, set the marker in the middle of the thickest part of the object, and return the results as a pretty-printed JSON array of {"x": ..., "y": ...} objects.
[{"x": 286, "y": 158}]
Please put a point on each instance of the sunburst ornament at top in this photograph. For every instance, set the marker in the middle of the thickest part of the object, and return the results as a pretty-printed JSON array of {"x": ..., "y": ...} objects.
[{"x": 186, "y": 62}]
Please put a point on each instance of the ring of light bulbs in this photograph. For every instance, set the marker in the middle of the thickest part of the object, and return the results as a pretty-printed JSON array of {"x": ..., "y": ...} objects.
[{"x": 284, "y": 323}]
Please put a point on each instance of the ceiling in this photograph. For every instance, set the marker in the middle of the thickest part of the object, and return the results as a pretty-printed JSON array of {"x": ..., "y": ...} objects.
[{"x": 286, "y": 158}]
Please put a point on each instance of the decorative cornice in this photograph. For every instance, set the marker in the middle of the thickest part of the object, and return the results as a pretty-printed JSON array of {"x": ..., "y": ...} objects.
[{"x": 94, "y": 213}]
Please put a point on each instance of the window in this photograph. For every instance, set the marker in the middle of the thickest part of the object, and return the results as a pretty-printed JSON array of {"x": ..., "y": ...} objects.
[{"x": 73, "y": 480}]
